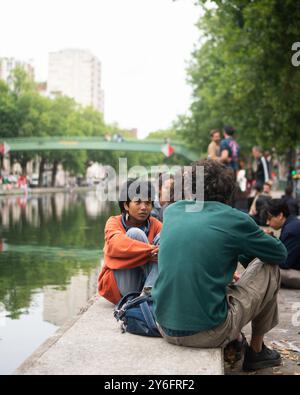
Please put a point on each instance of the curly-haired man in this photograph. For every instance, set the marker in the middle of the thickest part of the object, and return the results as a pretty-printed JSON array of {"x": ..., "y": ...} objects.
[{"x": 196, "y": 303}]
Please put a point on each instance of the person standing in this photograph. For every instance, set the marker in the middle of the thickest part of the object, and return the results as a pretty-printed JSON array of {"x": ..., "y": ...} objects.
[
  {"x": 230, "y": 149},
  {"x": 214, "y": 148},
  {"x": 262, "y": 173}
]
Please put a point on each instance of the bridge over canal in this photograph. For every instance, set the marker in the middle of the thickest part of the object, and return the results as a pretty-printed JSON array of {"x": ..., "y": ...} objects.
[{"x": 40, "y": 144}]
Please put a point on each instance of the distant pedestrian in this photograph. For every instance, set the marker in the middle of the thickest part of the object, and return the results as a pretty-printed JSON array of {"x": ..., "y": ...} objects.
[
  {"x": 214, "y": 148},
  {"x": 262, "y": 173},
  {"x": 268, "y": 157},
  {"x": 230, "y": 149}
]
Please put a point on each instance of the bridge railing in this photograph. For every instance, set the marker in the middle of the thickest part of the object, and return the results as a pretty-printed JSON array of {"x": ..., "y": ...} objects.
[{"x": 38, "y": 144}]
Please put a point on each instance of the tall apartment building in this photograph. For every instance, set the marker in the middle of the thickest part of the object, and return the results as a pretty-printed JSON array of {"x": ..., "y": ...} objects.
[
  {"x": 7, "y": 65},
  {"x": 77, "y": 74}
]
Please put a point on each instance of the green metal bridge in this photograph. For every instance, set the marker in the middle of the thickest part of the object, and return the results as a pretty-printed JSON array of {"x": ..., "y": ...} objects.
[{"x": 93, "y": 144}]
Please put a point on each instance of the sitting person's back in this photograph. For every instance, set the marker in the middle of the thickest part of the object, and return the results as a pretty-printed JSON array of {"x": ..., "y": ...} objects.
[{"x": 193, "y": 285}]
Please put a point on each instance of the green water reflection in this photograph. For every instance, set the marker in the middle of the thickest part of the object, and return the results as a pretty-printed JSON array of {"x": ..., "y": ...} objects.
[{"x": 50, "y": 252}]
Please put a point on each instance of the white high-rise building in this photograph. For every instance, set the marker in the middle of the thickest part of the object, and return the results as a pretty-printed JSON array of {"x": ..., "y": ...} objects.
[
  {"x": 8, "y": 65},
  {"x": 76, "y": 73}
]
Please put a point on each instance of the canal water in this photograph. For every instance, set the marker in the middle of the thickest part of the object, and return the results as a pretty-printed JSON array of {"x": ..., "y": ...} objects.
[{"x": 50, "y": 253}]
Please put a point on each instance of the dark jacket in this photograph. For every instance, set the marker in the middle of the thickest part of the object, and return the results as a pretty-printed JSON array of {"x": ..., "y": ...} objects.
[
  {"x": 290, "y": 236},
  {"x": 262, "y": 174}
]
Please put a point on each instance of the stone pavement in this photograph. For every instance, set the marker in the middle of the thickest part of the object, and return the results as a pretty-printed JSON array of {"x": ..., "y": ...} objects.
[
  {"x": 285, "y": 337},
  {"x": 94, "y": 345}
]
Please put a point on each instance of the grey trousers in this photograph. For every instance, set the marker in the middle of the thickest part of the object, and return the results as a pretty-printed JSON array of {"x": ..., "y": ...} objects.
[{"x": 252, "y": 299}]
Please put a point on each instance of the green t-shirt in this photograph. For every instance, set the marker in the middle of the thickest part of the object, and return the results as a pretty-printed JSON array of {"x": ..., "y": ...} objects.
[{"x": 199, "y": 252}]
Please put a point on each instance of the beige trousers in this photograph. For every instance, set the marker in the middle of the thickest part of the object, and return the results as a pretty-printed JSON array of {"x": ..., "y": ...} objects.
[{"x": 252, "y": 299}]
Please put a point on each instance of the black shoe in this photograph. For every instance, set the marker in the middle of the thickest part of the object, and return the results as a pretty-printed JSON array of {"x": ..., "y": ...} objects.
[
  {"x": 234, "y": 351},
  {"x": 267, "y": 358}
]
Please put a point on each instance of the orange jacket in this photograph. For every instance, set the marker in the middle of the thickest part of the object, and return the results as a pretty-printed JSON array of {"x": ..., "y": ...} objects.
[{"x": 122, "y": 252}]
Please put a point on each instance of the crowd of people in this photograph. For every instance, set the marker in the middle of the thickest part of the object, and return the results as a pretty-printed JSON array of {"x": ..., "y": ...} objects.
[
  {"x": 189, "y": 258},
  {"x": 10, "y": 182}
]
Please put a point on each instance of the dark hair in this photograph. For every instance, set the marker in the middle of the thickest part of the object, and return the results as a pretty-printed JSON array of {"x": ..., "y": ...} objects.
[
  {"x": 289, "y": 191},
  {"x": 219, "y": 181},
  {"x": 229, "y": 130},
  {"x": 276, "y": 207},
  {"x": 135, "y": 188}
]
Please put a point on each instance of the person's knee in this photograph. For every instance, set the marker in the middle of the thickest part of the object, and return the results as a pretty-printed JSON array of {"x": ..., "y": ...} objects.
[
  {"x": 136, "y": 234},
  {"x": 270, "y": 270},
  {"x": 275, "y": 277}
]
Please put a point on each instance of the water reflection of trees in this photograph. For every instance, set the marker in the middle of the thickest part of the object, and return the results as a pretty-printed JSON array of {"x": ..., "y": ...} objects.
[
  {"x": 36, "y": 210},
  {"x": 61, "y": 221},
  {"x": 22, "y": 276}
]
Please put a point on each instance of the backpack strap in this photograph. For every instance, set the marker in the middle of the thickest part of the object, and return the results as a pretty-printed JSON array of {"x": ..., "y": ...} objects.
[{"x": 147, "y": 313}]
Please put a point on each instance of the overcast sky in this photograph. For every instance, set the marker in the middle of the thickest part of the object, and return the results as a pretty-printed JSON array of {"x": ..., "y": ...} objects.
[{"x": 144, "y": 47}]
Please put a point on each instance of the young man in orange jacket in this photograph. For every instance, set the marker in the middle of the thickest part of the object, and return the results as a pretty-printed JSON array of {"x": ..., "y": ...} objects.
[{"x": 131, "y": 244}]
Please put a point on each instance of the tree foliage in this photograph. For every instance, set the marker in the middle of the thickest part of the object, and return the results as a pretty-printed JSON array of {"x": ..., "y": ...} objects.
[
  {"x": 26, "y": 113},
  {"x": 241, "y": 73}
]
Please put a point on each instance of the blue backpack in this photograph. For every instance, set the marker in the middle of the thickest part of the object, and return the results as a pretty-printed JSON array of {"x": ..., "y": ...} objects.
[{"x": 136, "y": 313}]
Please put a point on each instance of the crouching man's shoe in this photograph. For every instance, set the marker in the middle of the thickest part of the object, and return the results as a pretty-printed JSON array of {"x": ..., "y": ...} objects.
[{"x": 267, "y": 358}]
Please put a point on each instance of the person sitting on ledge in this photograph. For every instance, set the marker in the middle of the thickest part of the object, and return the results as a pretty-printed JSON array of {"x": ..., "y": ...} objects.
[
  {"x": 279, "y": 218},
  {"x": 164, "y": 198},
  {"x": 196, "y": 304},
  {"x": 131, "y": 244}
]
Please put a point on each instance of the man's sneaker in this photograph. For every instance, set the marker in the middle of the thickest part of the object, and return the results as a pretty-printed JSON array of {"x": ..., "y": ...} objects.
[
  {"x": 234, "y": 351},
  {"x": 267, "y": 358}
]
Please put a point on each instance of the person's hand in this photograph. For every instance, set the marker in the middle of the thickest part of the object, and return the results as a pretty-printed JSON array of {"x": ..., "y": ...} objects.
[
  {"x": 154, "y": 254},
  {"x": 236, "y": 276},
  {"x": 269, "y": 232}
]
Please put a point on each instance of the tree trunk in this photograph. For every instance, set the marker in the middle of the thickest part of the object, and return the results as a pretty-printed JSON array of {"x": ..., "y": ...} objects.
[
  {"x": 54, "y": 173},
  {"x": 24, "y": 166},
  {"x": 41, "y": 172}
]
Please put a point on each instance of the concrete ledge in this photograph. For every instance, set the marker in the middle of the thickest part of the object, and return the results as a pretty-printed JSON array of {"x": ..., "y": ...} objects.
[
  {"x": 93, "y": 345},
  {"x": 40, "y": 191}
]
